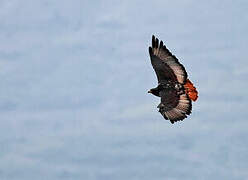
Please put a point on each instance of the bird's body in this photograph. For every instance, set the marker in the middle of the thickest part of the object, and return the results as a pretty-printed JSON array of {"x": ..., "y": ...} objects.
[
  {"x": 167, "y": 85},
  {"x": 174, "y": 88}
]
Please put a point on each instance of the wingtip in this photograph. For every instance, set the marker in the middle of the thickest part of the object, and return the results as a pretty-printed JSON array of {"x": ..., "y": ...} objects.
[
  {"x": 161, "y": 44},
  {"x": 156, "y": 43},
  {"x": 172, "y": 122},
  {"x": 153, "y": 41},
  {"x": 150, "y": 51}
]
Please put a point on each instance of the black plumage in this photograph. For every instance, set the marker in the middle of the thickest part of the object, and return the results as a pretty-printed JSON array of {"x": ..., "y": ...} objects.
[{"x": 172, "y": 77}]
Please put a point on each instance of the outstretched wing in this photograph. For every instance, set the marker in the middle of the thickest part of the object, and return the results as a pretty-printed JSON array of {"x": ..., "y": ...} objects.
[
  {"x": 166, "y": 65},
  {"x": 173, "y": 106}
]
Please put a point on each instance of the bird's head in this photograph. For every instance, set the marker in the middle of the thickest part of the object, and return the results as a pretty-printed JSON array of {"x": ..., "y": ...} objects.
[{"x": 154, "y": 91}]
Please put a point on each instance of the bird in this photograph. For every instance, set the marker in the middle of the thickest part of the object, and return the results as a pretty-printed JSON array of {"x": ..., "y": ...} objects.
[{"x": 174, "y": 88}]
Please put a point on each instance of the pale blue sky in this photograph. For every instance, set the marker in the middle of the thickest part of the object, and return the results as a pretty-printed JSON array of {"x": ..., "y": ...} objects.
[{"x": 73, "y": 90}]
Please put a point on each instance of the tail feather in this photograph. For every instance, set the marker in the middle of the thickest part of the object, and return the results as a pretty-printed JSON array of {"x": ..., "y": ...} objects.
[{"x": 191, "y": 90}]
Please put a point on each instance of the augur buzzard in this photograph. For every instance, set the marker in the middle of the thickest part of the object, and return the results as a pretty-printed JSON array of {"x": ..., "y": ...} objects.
[{"x": 174, "y": 88}]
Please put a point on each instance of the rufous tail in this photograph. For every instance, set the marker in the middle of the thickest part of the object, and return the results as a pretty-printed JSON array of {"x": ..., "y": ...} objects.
[{"x": 191, "y": 90}]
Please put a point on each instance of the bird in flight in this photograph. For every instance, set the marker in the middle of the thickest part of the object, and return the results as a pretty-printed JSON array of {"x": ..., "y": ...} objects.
[{"x": 174, "y": 88}]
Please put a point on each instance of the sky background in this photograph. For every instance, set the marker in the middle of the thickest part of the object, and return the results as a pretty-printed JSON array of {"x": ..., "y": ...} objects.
[{"x": 73, "y": 90}]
